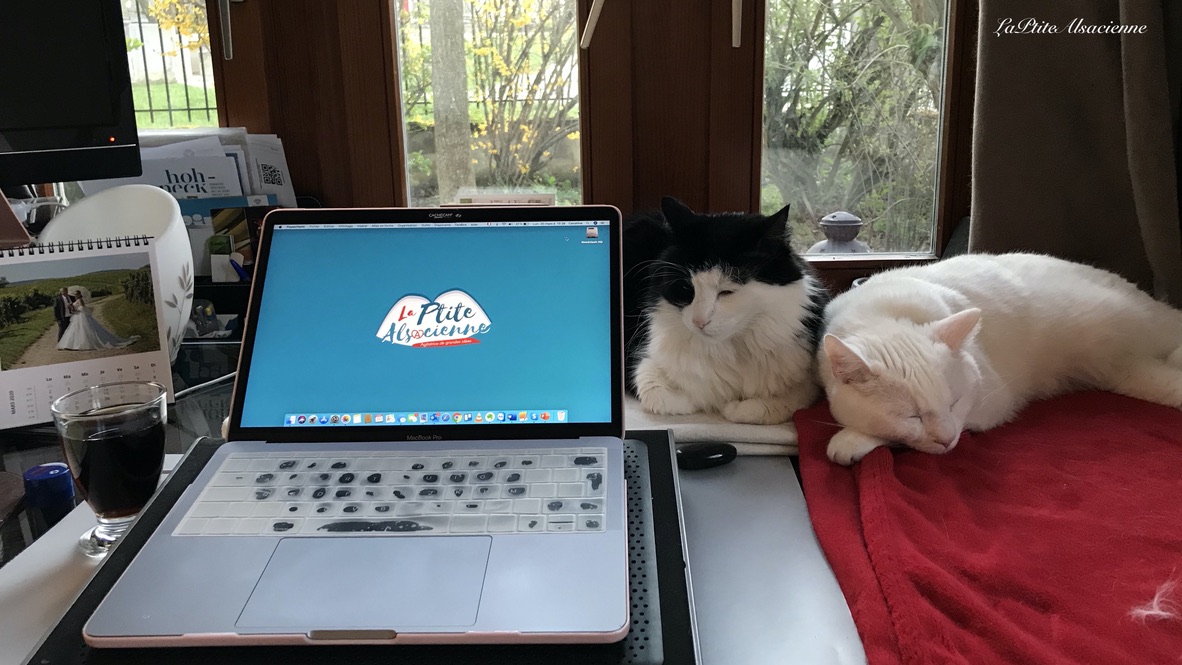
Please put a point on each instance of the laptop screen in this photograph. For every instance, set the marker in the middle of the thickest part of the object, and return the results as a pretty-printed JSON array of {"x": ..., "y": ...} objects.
[{"x": 433, "y": 324}]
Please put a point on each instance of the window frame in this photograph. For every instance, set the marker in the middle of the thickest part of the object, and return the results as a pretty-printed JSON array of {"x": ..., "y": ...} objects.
[
  {"x": 645, "y": 93},
  {"x": 733, "y": 142},
  {"x": 323, "y": 76}
]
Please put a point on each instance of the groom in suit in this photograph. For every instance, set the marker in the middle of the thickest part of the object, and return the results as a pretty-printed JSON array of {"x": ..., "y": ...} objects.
[{"x": 62, "y": 311}]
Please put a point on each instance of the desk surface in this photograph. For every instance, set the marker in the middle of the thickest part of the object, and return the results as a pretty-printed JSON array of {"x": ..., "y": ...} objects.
[
  {"x": 763, "y": 592},
  {"x": 198, "y": 412}
]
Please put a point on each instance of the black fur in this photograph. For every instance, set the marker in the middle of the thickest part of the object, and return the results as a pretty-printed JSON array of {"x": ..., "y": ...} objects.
[{"x": 661, "y": 249}]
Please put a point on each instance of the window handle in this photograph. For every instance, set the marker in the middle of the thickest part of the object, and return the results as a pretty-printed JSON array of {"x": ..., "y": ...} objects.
[
  {"x": 736, "y": 23},
  {"x": 592, "y": 21},
  {"x": 227, "y": 37}
]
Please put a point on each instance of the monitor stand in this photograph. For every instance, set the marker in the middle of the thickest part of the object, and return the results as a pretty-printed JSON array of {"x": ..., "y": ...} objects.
[{"x": 12, "y": 231}]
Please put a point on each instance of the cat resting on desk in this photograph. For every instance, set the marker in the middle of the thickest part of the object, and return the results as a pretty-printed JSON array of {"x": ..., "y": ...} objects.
[
  {"x": 721, "y": 315},
  {"x": 916, "y": 355}
]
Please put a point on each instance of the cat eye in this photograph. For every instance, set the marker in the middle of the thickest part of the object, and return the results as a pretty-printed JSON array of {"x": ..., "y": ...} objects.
[{"x": 726, "y": 292}]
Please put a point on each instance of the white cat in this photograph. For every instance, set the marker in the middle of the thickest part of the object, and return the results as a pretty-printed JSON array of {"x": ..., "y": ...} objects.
[
  {"x": 731, "y": 317},
  {"x": 916, "y": 355}
]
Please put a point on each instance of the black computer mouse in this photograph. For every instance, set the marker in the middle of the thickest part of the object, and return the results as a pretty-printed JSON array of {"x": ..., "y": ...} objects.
[{"x": 693, "y": 456}]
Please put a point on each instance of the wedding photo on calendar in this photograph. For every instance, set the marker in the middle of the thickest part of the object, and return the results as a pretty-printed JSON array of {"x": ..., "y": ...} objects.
[
  {"x": 75, "y": 315},
  {"x": 76, "y": 309}
]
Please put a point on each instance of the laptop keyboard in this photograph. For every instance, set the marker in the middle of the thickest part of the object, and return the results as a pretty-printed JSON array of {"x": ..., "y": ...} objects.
[{"x": 442, "y": 492}]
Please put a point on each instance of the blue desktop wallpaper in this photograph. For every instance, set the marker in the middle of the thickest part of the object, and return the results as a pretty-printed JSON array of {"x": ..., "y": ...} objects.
[{"x": 545, "y": 344}]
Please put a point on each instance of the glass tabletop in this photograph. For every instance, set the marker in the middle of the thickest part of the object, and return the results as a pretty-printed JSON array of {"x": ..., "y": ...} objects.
[{"x": 202, "y": 383}]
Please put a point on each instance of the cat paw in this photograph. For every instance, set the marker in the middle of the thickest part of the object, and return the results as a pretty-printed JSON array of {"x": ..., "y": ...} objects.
[
  {"x": 755, "y": 412},
  {"x": 665, "y": 402},
  {"x": 849, "y": 446}
]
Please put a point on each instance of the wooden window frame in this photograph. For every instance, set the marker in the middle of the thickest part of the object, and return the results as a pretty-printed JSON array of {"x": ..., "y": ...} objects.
[
  {"x": 323, "y": 76},
  {"x": 632, "y": 67},
  {"x": 668, "y": 106}
]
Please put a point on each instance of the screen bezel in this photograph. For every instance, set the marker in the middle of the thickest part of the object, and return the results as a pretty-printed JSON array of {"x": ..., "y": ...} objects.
[
  {"x": 432, "y": 433},
  {"x": 63, "y": 154}
]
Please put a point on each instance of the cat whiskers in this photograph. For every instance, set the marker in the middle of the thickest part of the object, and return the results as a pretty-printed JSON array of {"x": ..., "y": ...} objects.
[
  {"x": 645, "y": 314},
  {"x": 659, "y": 262},
  {"x": 826, "y": 422},
  {"x": 997, "y": 389}
]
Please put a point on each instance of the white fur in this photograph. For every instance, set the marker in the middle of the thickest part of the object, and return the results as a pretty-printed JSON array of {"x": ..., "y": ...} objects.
[
  {"x": 743, "y": 354},
  {"x": 1162, "y": 606},
  {"x": 905, "y": 343}
]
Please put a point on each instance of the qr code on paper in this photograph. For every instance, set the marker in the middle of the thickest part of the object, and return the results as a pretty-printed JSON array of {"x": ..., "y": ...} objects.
[{"x": 271, "y": 175}]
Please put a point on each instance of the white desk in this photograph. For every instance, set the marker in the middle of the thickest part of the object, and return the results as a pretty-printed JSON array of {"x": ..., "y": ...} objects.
[{"x": 763, "y": 592}]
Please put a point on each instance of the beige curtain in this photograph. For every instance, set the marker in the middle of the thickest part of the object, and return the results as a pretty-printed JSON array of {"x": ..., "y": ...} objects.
[{"x": 1076, "y": 137}]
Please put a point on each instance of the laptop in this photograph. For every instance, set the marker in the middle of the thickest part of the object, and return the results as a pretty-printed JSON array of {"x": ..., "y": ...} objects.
[{"x": 424, "y": 443}]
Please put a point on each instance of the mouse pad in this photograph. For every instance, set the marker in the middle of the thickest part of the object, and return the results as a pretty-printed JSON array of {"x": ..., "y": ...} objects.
[{"x": 335, "y": 583}]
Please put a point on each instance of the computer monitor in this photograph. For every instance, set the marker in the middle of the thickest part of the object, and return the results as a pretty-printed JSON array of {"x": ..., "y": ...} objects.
[{"x": 66, "y": 111}]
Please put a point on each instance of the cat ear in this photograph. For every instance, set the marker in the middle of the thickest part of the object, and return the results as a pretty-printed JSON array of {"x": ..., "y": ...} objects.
[
  {"x": 847, "y": 364},
  {"x": 776, "y": 226},
  {"x": 675, "y": 211},
  {"x": 954, "y": 330}
]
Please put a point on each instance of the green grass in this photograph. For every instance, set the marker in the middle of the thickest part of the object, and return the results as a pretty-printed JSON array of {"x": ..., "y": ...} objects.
[
  {"x": 172, "y": 95},
  {"x": 125, "y": 318},
  {"x": 15, "y": 339},
  {"x": 133, "y": 318}
]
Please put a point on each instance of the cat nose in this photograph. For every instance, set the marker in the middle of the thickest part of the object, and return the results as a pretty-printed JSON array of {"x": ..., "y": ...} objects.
[{"x": 701, "y": 322}]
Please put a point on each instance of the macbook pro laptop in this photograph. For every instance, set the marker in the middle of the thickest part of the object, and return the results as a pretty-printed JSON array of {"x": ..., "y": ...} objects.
[{"x": 424, "y": 443}]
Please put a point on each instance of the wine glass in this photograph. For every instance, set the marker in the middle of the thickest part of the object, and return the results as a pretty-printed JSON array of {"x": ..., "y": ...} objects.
[{"x": 113, "y": 438}]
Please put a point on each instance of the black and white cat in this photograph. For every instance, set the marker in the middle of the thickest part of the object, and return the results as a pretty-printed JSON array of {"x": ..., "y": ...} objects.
[{"x": 721, "y": 315}]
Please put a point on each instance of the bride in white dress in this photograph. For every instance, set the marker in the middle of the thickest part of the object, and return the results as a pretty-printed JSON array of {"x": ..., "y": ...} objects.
[{"x": 85, "y": 333}]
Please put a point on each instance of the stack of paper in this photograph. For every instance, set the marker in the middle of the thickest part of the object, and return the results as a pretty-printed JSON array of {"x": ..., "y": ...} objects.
[{"x": 210, "y": 171}]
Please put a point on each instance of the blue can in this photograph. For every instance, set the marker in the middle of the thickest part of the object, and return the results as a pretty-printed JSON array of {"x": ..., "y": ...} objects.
[{"x": 49, "y": 495}]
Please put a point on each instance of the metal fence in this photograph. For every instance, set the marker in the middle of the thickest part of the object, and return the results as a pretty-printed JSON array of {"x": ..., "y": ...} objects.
[{"x": 172, "y": 84}]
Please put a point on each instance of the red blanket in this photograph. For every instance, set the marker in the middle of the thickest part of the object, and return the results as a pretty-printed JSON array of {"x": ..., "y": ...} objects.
[{"x": 1027, "y": 544}]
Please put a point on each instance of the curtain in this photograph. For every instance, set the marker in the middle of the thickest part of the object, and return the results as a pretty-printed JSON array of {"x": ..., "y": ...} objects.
[{"x": 1076, "y": 136}]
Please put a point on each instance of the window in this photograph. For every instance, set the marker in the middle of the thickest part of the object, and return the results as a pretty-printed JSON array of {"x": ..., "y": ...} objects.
[
  {"x": 171, "y": 68},
  {"x": 489, "y": 98},
  {"x": 665, "y": 102},
  {"x": 852, "y": 99}
]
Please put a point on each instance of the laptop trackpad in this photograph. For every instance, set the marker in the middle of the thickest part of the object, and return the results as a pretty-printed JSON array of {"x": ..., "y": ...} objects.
[{"x": 390, "y": 582}]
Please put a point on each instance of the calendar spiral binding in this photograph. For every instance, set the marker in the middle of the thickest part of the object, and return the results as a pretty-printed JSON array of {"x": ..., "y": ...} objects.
[{"x": 66, "y": 246}]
